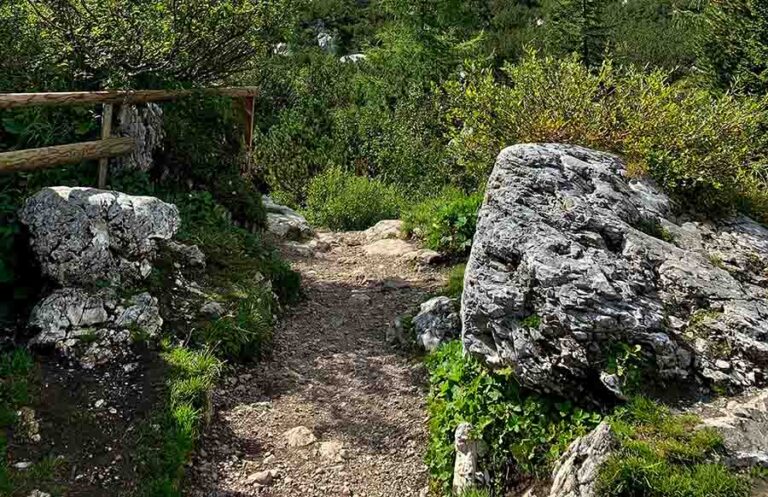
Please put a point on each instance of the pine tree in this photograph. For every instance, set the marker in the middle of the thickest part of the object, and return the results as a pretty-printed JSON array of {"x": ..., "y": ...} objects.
[
  {"x": 577, "y": 26},
  {"x": 734, "y": 48}
]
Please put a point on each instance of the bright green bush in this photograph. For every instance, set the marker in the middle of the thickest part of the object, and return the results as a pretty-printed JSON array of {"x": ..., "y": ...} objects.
[
  {"x": 705, "y": 149},
  {"x": 664, "y": 455},
  {"x": 525, "y": 432},
  {"x": 342, "y": 201},
  {"x": 446, "y": 223}
]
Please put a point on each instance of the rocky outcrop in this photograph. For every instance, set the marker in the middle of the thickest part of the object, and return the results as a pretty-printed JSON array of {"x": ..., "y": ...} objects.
[
  {"x": 572, "y": 257},
  {"x": 437, "y": 322},
  {"x": 92, "y": 326},
  {"x": 284, "y": 222},
  {"x": 85, "y": 236},
  {"x": 143, "y": 123},
  {"x": 743, "y": 423},
  {"x": 95, "y": 245},
  {"x": 576, "y": 472}
]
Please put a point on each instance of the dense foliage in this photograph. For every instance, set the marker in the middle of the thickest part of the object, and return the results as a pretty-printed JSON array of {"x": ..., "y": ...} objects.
[{"x": 524, "y": 432}]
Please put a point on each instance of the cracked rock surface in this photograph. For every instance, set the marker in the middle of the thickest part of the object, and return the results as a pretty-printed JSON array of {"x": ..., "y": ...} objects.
[
  {"x": 85, "y": 236},
  {"x": 571, "y": 258}
]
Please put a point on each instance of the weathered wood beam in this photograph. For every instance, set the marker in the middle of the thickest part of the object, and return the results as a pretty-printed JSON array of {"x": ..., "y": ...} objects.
[
  {"x": 41, "y": 158},
  {"x": 13, "y": 100}
]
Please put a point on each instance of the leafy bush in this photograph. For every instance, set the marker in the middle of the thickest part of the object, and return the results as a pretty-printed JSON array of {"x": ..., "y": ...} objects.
[
  {"x": 734, "y": 46},
  {"x": 525, "y": 432},
  {"x": 706, "y": 149},
  {"x": 342, "y": 201},
  {"x": 663, "y": 454},
  {"x": 446, "y": 223}
]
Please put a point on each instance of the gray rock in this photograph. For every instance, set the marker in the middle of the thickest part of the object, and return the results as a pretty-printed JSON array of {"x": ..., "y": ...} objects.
[
  {"x": 92, "y": 327},
  {"x": 143, "y": 123},
  {"x": 386, "y": 229},
  {"x": 437, "y": 322},
  {"x": 571, "y": 257},
  {"x": 353, "y": 58},
  {"x": 189, "y": 255},
  {"x": 84, "y": 235},
  {"x": 212, "y": 310},
  {"x": 466, "y": 470},
  {"x": 744, "y": 426},
  {"x": 300, "y": 436},
  {"x": 286, "y": 223},
  {"x": 575, "y": 473}
]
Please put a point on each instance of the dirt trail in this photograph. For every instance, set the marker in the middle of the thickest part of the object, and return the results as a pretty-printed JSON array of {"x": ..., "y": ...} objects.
[{"x": 333, "y": 372}]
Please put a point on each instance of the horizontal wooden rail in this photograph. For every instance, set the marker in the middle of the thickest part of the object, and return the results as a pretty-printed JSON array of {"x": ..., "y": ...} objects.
[
  {"x": 12, "y": 100},
  {"x": 41, "y": 158}
]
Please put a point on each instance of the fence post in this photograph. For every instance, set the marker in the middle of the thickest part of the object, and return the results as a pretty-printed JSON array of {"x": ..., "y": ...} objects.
[{"x": 106, "y": 130}]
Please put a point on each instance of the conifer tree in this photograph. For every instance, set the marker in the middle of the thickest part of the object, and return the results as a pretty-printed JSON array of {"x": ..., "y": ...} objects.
[
  {"x": 734, "y": 47},
  {"x": 578, "y": 26}
]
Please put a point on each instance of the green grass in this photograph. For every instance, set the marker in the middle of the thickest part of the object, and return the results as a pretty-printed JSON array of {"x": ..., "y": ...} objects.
[
  {"x": 665, "y": 455},
  {"x": 168, "y": 439},
  {"x": 246, "y": 333},
  {"x": 16, "y": 368},
  {"x": 455, "y": 286}
]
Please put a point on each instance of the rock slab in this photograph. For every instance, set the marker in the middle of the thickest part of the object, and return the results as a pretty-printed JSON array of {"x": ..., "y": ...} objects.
[{"x": 571, "y": 257}]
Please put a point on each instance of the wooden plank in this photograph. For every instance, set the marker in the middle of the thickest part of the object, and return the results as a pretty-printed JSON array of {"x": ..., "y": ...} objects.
[
  {"x": 106, "y": 130},
  {"x": 13, "y": 100},
  {"x": 41, "y": 158}
]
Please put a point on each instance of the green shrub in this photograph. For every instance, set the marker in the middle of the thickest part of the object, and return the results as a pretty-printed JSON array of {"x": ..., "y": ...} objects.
[
  {"x": 663, "y": 455},
  {"x": 706, "y": 150},
  {"x": 446, "y": 223},
  {"x": 343, "y": 201},
  {"x": 525, "y": 432},
  {"x": 246, "y": 333}
]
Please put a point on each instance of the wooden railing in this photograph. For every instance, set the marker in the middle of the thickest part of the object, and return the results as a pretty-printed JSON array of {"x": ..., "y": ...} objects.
[{"x": 108, "y": 146}]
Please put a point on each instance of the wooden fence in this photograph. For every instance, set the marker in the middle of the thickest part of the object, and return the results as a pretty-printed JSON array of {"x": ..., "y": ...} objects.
[{"x": 108, "y": 146}]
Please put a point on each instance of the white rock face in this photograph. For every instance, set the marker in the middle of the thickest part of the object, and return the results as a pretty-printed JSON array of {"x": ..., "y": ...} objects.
[
  {"x": 575, "y": 473},
  {"x": 466, "y": 472},
  {"x": 286, "y": 223},
  {"x": 744, "y": 426},
  {"x": 143, "y": 123},
  {"x": 386, "y": 229},
  {"x": 437, "y": 322},
  {"x": 352, "y": 58},
  {"x": 86, "y": 236},
  {"x": 571, "y": 258},
  {"x": 92, "y": 327}
]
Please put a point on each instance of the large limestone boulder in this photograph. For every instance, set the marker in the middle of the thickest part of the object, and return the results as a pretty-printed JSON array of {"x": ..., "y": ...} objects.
[
  {"x": 84, "y": 236},
  {"x": 572, "y": 257}
]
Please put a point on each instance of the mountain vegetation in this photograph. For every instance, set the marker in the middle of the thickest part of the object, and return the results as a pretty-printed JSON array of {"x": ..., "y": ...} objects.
[{"x": 380, "y": 109}]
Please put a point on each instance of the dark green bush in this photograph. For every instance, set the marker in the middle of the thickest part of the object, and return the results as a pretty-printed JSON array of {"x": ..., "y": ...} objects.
[
  {"x": 446, "y": 223},
  {"x": 342, "y": 201},
  {"x": 455, "y": 286},
  {"x": 525, "y": 432}
]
